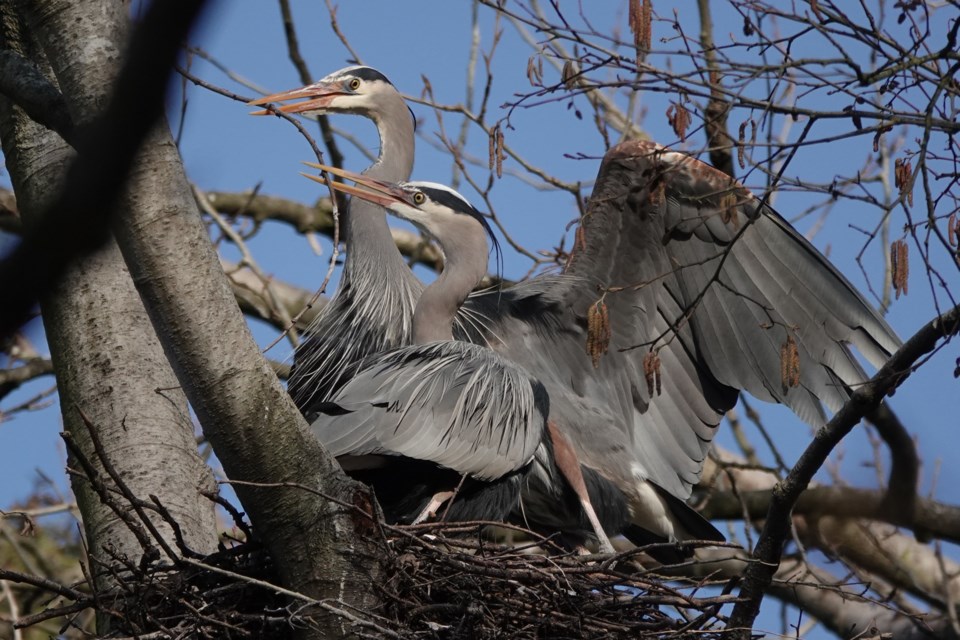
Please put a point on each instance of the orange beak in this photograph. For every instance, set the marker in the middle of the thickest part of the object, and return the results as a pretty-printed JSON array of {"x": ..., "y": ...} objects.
[
  {"x": 314, "y": 96},
  {"x": 369, "y": 189}
]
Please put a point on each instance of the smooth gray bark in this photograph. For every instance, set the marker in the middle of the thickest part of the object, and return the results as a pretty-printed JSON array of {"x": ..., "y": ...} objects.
[
  {"x": 109, "y": 363},
  {"x": 259, "y": 436},
  {"x": 109, "y": 366}
]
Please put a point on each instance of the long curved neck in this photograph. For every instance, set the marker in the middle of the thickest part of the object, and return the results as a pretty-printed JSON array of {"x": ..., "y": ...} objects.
[
  {"x": 465, "y": 265},
  {"x": 395, "y": 127},
  {"x": 370, "y": 246}
]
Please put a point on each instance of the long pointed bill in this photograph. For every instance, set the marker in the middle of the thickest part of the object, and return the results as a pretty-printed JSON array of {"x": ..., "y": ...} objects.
[
  {"x": 316, "y": 96},
  {"x": 369, "y": 189}
]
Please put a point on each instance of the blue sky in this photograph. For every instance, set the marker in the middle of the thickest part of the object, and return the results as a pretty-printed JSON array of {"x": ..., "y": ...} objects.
[{"x": 226, "y": 149}]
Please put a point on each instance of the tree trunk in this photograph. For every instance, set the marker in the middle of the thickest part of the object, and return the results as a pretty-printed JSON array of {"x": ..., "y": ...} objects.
[
  {"x": 321, "y": 550},
  {"x": 109, "y": 363}
]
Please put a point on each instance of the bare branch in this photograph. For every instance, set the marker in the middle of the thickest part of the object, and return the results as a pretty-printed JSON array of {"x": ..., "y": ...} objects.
[
  {"x": 715, "y": 119},
  {"x": 863, "y": 400},
  {"x": 293, "y": 48},
  {"x": 248, "y": 289},
  {"x": 12, "y": 379}
]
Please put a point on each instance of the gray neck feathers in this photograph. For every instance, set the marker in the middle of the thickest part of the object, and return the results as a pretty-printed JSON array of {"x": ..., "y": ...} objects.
[
  {"x": 395, "y": 126},
  {"x": 370, "y": 247},
  {"x": 464, "y": 245}
]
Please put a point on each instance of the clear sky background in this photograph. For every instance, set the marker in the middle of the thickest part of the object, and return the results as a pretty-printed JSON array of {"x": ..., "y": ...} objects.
[{"x": 227, "y": 150}]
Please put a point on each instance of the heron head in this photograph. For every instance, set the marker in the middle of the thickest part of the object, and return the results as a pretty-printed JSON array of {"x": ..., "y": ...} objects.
[
  {"x": 359, "y": 90},
  {"x": 433, "y": 206},
  {"x": 437, "y": 209}
]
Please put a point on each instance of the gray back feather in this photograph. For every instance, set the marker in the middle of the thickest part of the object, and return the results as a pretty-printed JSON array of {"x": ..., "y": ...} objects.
[{"x": 456, "y": 404}]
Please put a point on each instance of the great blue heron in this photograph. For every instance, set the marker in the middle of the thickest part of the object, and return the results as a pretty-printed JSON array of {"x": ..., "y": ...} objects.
[
  {"x": 372, "y": 309},
  {"x": 703, "y": 285},
  {"x": 456, "y": 404}
]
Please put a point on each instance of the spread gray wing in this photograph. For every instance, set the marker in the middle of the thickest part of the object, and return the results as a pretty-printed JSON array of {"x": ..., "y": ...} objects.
[
  {"x": 709, "y": 280},
  {"x": 456, "y": 404}
]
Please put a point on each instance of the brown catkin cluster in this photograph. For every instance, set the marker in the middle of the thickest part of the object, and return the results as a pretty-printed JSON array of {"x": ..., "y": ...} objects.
[
  {"x": 899, "y": 266},
  {"x": 535, "y": 71},
  {"x": 569, "y": 73},
  {"x": 641, "y": 19},
  {"x": 598, "y": 331},
  {"x": 495, "y": 150},
  {"x": 789, "y": 364},
  {"x": 651, "y": 372},
  {"x": 902, "y": 179},
  {"x": 679, "y": 119},
  {"x": 728, "y": 207}
]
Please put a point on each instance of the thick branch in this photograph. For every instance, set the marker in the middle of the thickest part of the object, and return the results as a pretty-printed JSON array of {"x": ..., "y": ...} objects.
[
  {"x": 259, "y": 208},
  {"x": 864, "y": 399},
  {"x": 940, "y": 520},
  {"x": 256, "y": 431},
  {"x": 77, "y": 223},
  {"x": 900, "y": 501},
  {"x": 26, "y": 86},
  {"x": 109, "y": 362},
  {"x": 319, "y": 219},
  {"x": 895, "y": 558},
  {"x": 843, "y": 610},
  {"x": 248, "y": 289}
]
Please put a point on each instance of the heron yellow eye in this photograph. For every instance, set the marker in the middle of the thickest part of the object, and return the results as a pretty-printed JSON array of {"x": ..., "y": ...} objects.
[
  {"x": 419, "y": 198},
  {"x": 354, "y": 84}
]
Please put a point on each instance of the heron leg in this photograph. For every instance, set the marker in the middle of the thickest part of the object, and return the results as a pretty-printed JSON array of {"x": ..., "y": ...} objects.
[
  {"x": 431, "y": 509},
  {"x": 569, "y": 467}
]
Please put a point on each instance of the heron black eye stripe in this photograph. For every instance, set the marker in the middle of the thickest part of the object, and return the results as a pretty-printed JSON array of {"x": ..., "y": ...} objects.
[
  {"x": 450, "y": 200},
  {"x": 368, "y": 74},
  {"x": 455, "y": 202}
]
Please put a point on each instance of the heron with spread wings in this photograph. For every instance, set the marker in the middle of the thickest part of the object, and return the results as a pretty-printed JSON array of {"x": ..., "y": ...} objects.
[{"x": 700, "y": 284}]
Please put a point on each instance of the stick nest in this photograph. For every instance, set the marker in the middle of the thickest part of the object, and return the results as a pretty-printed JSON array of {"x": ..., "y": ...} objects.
[{"x": 435, "y": 581}]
